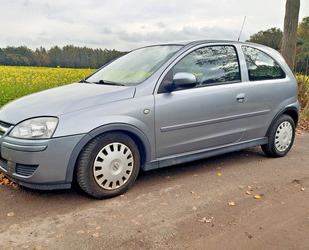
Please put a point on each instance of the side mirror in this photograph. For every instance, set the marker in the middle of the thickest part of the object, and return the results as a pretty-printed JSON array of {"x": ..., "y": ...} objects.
[{"x": 184, "y": 80}]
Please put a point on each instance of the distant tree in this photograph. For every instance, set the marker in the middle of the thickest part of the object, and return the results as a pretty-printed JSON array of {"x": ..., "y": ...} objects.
[
  {"x": 289, "y": 31},
  {"x": 302, "y": 48},
  {"x": 20, "y": 56},
  {"x": 271, "y": 37},
  {"x": 2, "y": 57},
  {"x": 41, "y": 57}
]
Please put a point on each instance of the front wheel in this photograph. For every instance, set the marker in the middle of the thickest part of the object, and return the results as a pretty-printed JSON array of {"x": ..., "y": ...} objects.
[
  {"x": 108, "y": 165},
  {"x": 280, "y": 137}
]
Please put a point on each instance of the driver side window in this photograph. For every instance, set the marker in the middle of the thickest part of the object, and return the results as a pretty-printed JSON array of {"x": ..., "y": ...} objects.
[{"x": 210, "y": 65}]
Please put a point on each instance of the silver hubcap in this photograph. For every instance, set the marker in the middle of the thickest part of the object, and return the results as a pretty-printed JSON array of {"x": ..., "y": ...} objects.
[
  {"x": 113, "y": 166},
  {"x": 284, "y": 136}
]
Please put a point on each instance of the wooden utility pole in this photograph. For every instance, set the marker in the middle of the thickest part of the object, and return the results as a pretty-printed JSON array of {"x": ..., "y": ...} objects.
[{"x": 290, "y": 31}]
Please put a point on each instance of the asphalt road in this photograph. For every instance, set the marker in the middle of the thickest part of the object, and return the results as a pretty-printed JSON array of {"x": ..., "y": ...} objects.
[{"x": 185, "y": 206}]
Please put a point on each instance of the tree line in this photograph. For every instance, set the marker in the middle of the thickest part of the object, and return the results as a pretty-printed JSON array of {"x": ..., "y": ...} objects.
[
  {"x": 273, "y": 38},
  {"x": 66, "y": 57}
]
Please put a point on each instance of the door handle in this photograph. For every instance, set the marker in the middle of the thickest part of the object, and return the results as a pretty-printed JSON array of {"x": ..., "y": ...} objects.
[{"x": 241, "y": 97}]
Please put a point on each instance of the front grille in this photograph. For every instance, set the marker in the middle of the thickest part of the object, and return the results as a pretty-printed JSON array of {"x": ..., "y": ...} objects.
[
  {"x": 25, "y": 170},
  {"x": 4, "y": 127}
]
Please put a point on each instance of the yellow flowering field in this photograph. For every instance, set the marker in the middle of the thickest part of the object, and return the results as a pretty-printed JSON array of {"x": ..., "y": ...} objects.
[{"x": 18, "y": 81}]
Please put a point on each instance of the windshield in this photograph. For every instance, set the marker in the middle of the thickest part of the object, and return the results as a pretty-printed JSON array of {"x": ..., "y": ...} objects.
[{"x": 134, "y": 67}]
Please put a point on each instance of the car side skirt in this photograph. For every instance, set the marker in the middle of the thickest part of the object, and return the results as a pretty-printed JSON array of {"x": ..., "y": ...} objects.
[{"x": 197, "y": 155}]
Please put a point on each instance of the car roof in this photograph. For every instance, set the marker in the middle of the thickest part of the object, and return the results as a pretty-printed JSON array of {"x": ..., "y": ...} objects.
[
  {"x": 196, "y": 42},
  {"x": 192, "y": 43},
  {"x": 205, "y": 41}
]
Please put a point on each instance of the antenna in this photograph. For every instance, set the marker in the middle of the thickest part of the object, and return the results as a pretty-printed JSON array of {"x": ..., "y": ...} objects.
[{"x": 243, "y": 23}]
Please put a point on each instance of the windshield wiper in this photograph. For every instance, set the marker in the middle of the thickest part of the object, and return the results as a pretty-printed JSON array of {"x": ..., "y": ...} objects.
[
  {"x": 83, "y": 81},
  {"x": 109, "y": 83}
]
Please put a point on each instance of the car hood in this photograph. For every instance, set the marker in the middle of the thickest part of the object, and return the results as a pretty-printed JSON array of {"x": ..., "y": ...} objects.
[{"x": 61, "y": 100}]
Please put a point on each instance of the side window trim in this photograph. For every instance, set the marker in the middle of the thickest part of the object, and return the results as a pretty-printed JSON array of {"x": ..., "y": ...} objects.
[
  {"x": 265, "y": 53},
  {"x": 191, "y": 50}
]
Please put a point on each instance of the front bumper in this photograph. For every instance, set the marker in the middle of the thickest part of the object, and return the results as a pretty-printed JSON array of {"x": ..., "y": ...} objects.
[{"x": 39, "y": 164}]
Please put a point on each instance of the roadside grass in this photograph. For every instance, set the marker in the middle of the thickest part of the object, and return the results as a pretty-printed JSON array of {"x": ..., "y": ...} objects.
[
  {"x": 303, "y": 93},
  {"x": 18, "y": 81},
  {"x": 303, "y": 98}
]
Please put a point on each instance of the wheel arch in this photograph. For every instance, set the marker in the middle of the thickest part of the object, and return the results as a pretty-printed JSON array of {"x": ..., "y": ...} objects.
[
  {"x": 290, "y": 111},
  {"x": 136, "y": 134}
]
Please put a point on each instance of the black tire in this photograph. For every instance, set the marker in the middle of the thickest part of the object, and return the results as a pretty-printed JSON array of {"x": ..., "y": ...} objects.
[
  {"x": 281, "y": 136},
  {"x": 121, "y": 165}
]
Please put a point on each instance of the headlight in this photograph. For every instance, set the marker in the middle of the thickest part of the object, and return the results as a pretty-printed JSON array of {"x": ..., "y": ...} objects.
[{"x": 36, "y": 128}]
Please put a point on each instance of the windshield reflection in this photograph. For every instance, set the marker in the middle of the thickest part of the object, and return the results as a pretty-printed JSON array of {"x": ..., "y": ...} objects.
[{"x": 136, "y": 66}]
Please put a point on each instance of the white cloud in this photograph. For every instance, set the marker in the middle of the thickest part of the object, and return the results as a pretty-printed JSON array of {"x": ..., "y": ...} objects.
[{"x": 125, "y": 25}]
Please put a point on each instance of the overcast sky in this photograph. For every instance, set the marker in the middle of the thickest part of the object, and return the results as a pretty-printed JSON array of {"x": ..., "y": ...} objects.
[{"x": 125, "y": 25}]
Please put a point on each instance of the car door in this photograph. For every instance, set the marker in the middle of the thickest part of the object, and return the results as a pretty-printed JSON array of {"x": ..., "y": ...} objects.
[{"x": 209, "y": 115}]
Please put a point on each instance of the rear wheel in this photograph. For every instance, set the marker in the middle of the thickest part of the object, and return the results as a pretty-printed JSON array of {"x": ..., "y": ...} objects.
[
  {"x": 108, "y": 165},
  {"x": 280, "y": 137}
]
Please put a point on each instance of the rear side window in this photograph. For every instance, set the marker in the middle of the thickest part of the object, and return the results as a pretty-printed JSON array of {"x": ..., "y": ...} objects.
[
  {"x": 210, "y": 65},
  {"x": 261, "y": 66}
]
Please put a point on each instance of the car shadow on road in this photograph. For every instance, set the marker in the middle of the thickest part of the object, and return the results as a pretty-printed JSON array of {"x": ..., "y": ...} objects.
[{"x": 153, "y": 177}]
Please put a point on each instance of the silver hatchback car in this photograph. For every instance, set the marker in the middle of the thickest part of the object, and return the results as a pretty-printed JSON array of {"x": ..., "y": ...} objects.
[{"x": 153, "y": 107}]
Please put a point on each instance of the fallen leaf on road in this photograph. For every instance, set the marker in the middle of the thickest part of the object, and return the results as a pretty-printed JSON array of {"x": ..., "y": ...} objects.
[
  {"x": 195, "y": 175},
  {"x": 302, "y": 189},
  {"x": 194, "y": 208},
  {"x": 11, "y": 214},
  {"x": 135, "y": 222},
  {"x": 219, "y": 174},
  {"x": 205, "y": 220},
  {"x": 6, "y": 181},
  {"x": 95, "y": 235},
  {"x": 257, "y": 197},
  {"x": 232, "y": 203},
  {"x": 248, "y": 192},
  {"x": 167, "y": 177}
]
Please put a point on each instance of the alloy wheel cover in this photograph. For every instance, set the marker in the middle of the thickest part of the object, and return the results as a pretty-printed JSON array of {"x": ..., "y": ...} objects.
[{"x": 113, "y": 166}]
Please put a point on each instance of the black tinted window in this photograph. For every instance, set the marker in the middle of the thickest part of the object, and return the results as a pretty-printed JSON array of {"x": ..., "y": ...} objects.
[
  {"x": 216, "y": 64},
  {"x": 261, "y": 66}
]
